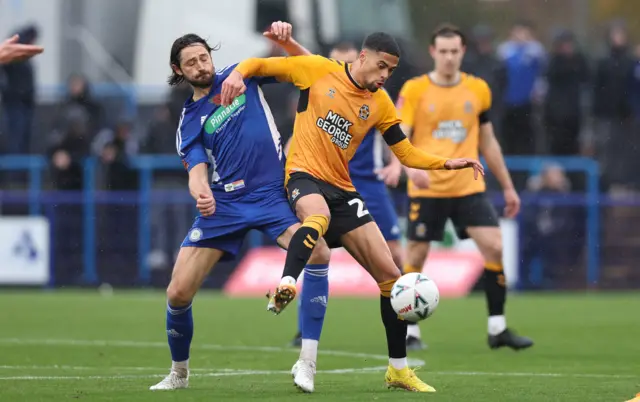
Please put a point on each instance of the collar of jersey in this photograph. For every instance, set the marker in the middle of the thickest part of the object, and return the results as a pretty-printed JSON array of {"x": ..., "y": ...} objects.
[{"x": 346, "y": 70}]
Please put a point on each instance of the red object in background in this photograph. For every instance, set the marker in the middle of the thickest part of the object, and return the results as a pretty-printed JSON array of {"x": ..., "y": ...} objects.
[{"x": 455, "y": 273}]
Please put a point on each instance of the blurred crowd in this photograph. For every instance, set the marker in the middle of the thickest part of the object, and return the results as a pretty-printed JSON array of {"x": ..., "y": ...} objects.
[{"x": 554, "y": 100}]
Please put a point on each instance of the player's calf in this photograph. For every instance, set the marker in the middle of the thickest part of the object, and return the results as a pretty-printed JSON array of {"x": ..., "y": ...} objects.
[
  {"x": 489, "y": 241},
  {"x": 191, "y": 267}
]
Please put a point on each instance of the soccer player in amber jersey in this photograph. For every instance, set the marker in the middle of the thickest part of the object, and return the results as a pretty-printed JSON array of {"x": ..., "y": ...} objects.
[
  {"x": 447, "y": 113},
  {"x": 339, "y": 104}
]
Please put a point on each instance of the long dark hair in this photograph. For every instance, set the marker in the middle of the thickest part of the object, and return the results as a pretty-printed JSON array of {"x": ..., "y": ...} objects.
[{"x": 179, "y": 44}]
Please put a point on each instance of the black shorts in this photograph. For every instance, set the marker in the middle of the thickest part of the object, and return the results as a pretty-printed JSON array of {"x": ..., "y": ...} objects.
[
  {"x": 347, "y": 208},
  {"x": 428, "y": 216}
]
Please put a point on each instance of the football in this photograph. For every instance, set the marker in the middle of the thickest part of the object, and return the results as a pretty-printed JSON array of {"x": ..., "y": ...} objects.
[{"x": 414, "y": 297}]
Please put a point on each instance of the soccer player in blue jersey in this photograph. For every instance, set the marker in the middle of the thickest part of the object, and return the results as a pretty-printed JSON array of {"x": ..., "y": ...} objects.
[
  {"x": 369, "y": 176},
  {"x": 236, "y": 175}
]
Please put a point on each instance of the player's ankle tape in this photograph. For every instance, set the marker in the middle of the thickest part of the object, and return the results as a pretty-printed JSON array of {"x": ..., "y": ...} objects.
[
  {"x": 318, "y": 222},
  {"x": 386, "y": 286},
  {"x": 411, "y": 268},
  {"x": 494, "y": 267}
]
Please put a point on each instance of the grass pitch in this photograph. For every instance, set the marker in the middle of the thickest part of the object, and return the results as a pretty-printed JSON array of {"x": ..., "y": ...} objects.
[{"x": 57, "y": 346}]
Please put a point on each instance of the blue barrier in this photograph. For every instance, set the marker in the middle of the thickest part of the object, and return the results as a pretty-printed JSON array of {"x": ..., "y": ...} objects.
[{"x": 147, "y": 165}]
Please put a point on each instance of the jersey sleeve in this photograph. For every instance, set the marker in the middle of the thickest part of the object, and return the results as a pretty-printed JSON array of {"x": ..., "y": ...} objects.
[
  {"x": 189, "y": 144},
  {"x": 407, "y": 103},
  {"x": 388, "y": 114},
  {"x": 302, "y": 71},
  {"x": 484, "y": 95}
]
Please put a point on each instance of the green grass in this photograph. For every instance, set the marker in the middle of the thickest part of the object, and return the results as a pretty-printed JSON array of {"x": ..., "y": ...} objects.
[{"x": 61, "y": 346}]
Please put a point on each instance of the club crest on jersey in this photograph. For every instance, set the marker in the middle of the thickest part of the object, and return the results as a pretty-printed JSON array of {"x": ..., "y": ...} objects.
[
  {"x": 337, "y": 127},
  {"x": 216, "y": 99},
  {"x": 331, "y": 93},
  {"x": 468, "y": 107},
  {"x": 364, "y": 112},
  {"x": 294, "y": 194}
]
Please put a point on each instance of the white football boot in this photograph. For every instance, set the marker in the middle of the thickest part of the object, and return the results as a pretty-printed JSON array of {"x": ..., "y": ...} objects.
[
  {"x": 304, "y": 372},
  {"x": 174, "y": 380}
]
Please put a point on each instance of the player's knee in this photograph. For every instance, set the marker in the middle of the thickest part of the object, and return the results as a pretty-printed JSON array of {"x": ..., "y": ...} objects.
[
  {"x": 310, "y": 207},
  {"x": 321, "y": 253},
  {"x": 386, "y": 281},
  {"x": 396, "y": 253},
  {"x": 387, "y": 276},
  {"x": 316, "y": 225},
  {"x": 493, "y": 251},
  {"x": 178, "y": 295}
]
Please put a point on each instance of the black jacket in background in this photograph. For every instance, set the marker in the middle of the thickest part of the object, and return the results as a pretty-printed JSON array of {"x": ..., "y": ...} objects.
[
  {"x": 566, "y": 75},
  {"x": 610, "y": 87}
]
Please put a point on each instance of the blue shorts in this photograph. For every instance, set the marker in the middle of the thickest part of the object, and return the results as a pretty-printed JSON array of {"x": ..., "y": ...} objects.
[
  {"x": 378, "y": 201},
  {"x": 225, "y": 230}
]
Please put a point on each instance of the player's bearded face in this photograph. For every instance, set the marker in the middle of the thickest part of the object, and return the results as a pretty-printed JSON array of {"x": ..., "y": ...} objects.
[
  {"x": 377, "y": 67},
  {"x": 196, "y": 66},
  {"x": 447, "y": 55}
]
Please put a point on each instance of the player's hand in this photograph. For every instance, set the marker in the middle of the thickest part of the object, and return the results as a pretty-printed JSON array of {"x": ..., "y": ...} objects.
[
  {"x": 232, "y": 87},
  {"x": 512, "y": 203},
  {"x": 465, "y": 163},
  {"x": 279, "y": 32},
  {"x": 206, "y": 204},
  {"x": 11, "y": 50},
  {"x": 390, "y": 174},
  {"x": 419, "y": 178}
]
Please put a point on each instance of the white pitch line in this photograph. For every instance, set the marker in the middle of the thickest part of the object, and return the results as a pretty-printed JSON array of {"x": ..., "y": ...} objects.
[
  {"x": 226, "y": 373},
  {"x": 271, "y": 349},
  {"x": 163, "y": 345},
  {"x": 365, "y": 370}
]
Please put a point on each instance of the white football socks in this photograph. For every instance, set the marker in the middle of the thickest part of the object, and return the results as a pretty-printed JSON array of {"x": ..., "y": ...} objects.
[
  {"x": 288, "y": 280},
  {"x": 181, "y": 368},
  {"x": 309, "y": 350},
  {"x": 497, "y": 324},
  {"x": 413, "y": 331},
  {"x": 398, "y": 364}
]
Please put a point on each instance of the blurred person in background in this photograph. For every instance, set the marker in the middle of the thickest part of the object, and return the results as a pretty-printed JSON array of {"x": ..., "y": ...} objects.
[
  {"x": 67, "y": 154},
  {"x": 552, "y": 232},
  {"x": 169, "y": 220},
  {"x": 66, "y": 157},
  {"x": 613, "y": 144},
  {"x": 566, "y": 73},
  {"x": 11, "y": 50},
  {"x": 114, "y": 148},
  {"x": 481, "y": 60},
  {"x": 634, "y": 100},
  {"x": 80, "y": 100},
  {"x": 524, "y": 59},
  {"x": 18, "y": 96}
]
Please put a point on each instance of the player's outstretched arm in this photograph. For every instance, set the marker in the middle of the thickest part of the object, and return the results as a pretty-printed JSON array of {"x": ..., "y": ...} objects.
[
  {"x": 492, "y": 152},
  {"x": 281, "y": 34},
  {"x": 302, "y": 71},
  {"x": 413, "y": 157},
  {"x": 11, "y": 50}
]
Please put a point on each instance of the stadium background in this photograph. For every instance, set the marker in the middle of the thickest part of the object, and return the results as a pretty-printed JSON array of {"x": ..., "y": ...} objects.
[{"x": 93, "y": 172}]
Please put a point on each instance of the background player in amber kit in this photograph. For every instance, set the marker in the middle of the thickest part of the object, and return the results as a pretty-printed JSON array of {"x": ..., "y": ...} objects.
[
  {"x": 339, "y": 104},
  {"x": 447, "y": 112}
]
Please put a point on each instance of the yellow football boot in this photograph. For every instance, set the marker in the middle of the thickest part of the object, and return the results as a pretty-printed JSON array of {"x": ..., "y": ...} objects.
[{"x": 406, "y": 379}]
